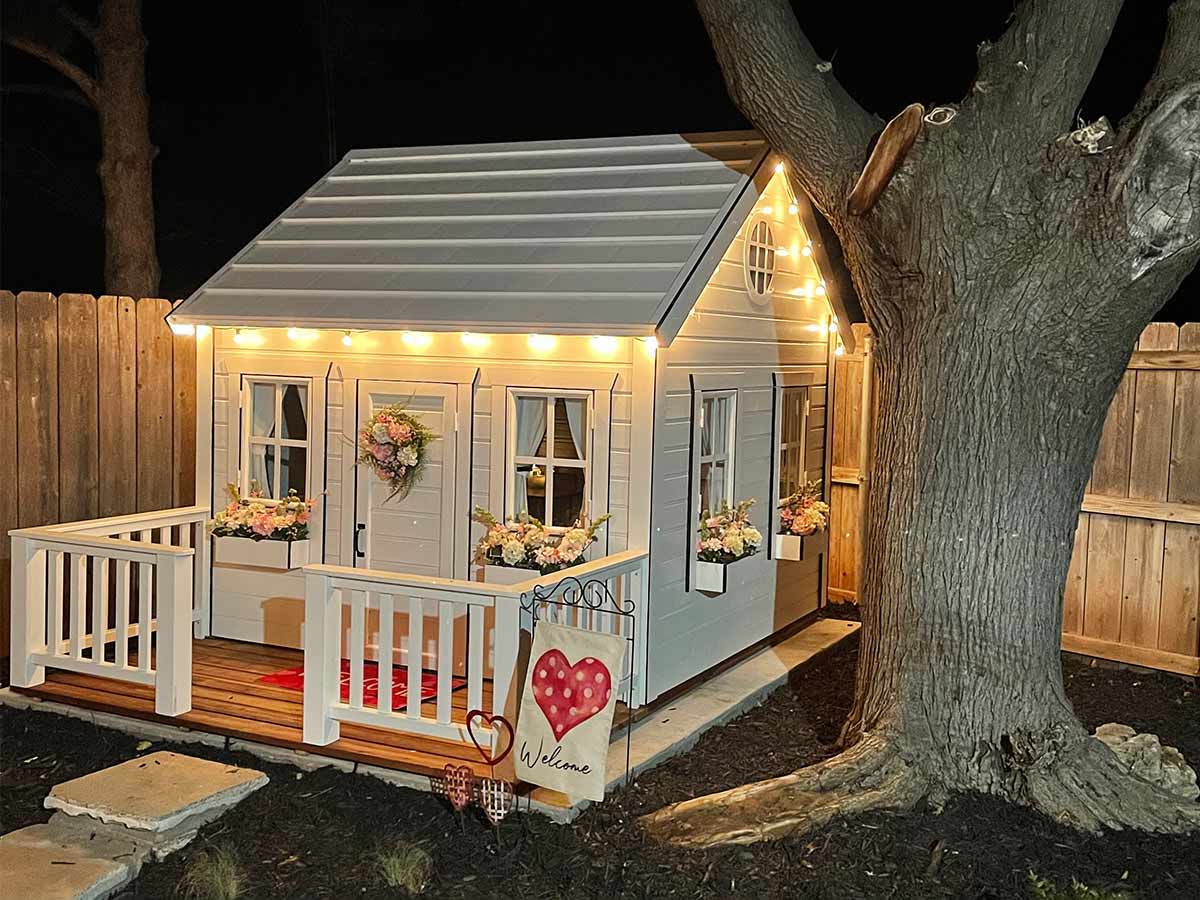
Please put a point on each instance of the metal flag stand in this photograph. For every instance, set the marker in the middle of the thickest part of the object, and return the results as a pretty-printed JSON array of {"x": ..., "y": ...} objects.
[{"x": 587, "y": 605}]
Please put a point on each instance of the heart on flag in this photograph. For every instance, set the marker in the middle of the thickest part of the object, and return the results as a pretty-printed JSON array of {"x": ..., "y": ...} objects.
[{"x": 569, "y": 695}]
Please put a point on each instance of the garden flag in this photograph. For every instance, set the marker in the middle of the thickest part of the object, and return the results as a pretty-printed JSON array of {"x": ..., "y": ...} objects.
[{"x": 567, "y": 710}]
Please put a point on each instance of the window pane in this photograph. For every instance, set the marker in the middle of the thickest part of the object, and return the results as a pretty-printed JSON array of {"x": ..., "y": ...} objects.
[
  {"x": 293, "y": 465},
  {"x": 531, "y": 426},
  {"x": 570, "y": 437},
  {"x": 294, "y": 412},
  {"x": 529, "y": 491},
  {"x": 785, "y": 481},
  {"x": 568, "y": 495},
  {"x": 262, "y": 468},
  {"x": 262, "y": 409},
  {"x": 706, "y": 424},
  {"x": 716, "y": 485},
  {"x": 705, "y": 481}
]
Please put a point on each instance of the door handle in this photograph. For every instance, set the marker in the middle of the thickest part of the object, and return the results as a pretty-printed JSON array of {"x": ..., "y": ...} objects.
[{"x": 358, "y": 530}]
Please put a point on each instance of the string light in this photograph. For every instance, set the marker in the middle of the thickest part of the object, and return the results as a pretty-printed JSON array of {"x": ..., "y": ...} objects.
[
  {"x": 833, "y": 325},
  {"x": 244, "y": 338},
  {"x": 302, "y": 334},
  {"x": 839, "y": 350},
  {"x": 779, "y": 168},
  {"x": 781, "y": 251},
  {"x": 793, "y": 209},
  {"x": 203, "y": 331},
  {"x": 179, "y": 328},
  {"x": 766, "y": 210},
  {"x": 603, "y": 343},
  {"x": 650, "y": 344},
  {"x": 416, "y": 339},
  {"x": 806, "y": 250},
  {"x": 820, "y": 289},
  {"x": 347, "y": 340},
  {"x": 541, "y": 342},
  {"x": 475, "y": 341}
]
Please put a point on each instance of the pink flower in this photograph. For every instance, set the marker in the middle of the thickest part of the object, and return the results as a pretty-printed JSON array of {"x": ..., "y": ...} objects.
[
  {"x": 381, "y": 451},
  {"x": 263, "y": 524}
]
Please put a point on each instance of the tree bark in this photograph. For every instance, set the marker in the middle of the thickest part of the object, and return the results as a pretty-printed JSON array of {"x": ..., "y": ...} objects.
[
  {"x": 131, "y": 260},
  {"x": 1006, "y": 271}
]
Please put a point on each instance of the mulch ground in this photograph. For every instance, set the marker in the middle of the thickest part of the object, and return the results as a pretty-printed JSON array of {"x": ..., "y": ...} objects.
[{"x": 313, "y": 835}]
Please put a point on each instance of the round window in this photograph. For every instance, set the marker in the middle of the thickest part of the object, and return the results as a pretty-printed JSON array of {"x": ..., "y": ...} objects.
[{"x": 760, "y": 259}]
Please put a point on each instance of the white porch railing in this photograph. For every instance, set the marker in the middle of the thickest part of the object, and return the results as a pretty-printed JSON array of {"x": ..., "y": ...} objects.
[
  {"x": 141, "y": 576},
  {"x": 467, "y": 617}
]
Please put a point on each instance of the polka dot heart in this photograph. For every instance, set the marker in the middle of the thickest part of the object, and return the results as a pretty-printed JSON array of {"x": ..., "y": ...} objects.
[{"x": 569, "y": 695}]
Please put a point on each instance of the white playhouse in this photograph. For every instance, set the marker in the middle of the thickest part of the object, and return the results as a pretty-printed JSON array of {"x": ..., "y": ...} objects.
[{"x": 633, "y": 327}]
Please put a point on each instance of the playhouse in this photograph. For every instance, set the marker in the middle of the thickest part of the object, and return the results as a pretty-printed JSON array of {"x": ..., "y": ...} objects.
[{"x": 636, "y": 328}]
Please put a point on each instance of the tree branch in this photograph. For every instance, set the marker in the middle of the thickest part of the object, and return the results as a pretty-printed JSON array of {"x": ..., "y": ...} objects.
[
  {"x": 80, "y": 23},
  {"x": 1042, "y": 65},
  {"x": 47, "y": 90},
  {"x": 780, "y": 84},
  {"x": 1178, "y": 60},
  {"x": 86, "y": 84}
]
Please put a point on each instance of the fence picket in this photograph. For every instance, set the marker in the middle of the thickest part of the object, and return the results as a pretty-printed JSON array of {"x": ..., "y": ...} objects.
[
  {"x": 357, "y": 640},
  {"x": 445, "y": 658},
  {"x": 387, "y": 618},
  {"x": 155, "y": 427},
  {"x": 416, "y": 643},
  {"x": 116, "y": 328},
  {"x": 122, "y": 655},
  {"x": 37, "y": 409},
  {"x": 78, "y": 416},
  {"x": 54, "y": 600}
]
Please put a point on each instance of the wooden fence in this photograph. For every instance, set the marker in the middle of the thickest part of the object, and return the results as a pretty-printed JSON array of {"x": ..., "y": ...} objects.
[
  {"x": 1133, "y": 589},
  {"x": 97, "y": 413}
]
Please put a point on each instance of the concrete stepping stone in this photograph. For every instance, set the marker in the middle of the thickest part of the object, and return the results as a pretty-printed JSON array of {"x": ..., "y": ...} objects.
[
  {"x": 46, "y": 862},
  {"x": 160, "y": 793}
]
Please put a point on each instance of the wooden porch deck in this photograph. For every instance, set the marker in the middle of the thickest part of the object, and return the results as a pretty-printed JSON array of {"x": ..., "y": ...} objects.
[{"x": 228, "y": 699}]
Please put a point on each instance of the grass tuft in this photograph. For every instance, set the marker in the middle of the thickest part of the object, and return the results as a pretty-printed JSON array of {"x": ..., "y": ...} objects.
[
  {"x": 1045, "y": 889},
  {"x": 407, "y": 866},
  {"x": 214, "y": 875}
]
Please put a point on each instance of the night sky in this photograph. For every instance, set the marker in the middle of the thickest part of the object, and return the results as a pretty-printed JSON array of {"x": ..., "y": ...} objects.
[{"x": 252, "y": 102}]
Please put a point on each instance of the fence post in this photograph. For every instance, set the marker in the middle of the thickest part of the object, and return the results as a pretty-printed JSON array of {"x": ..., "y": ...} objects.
[
  {"x": 28, "y": 599},
  {"x": 640, "y": 593},
  {"x": 173, "y": 663},
  {"x": 200, "y": 581},
  {"x": 508, "y": 643},
  {"x": 322, "y": 661}
]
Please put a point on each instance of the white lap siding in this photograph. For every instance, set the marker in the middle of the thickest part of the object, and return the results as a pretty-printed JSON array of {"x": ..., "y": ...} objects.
[{"x": 743, "y": 340}]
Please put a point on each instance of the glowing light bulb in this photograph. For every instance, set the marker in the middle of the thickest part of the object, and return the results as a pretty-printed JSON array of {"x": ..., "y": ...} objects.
[
  {"x": 779, "y": 167},
  {"x": 541, "y": 342},
  {"x": 820, "y": 290},
  {"x": 806, "y": 250},
  {"x": 347, "y": 340},
  {"x": 416, "y": 339},
  {"x": 239, "y": 337},
  {"x": 766, "y": 210},
  {"x": 203, "y": 330},
  {"x": 833, "y": 326},
  {"x": 603, "y": 343},
  {"x": 793, "y": 209},
  {"x": 781, "y": 251},
  {"x": 650, "y": 344},
  {"x": 475, "y": 341},
  {"x": 302, "y": 334},
  {"x": 180, "y": 328},
  {"x": 244, "y": 338},
  {"x": 839, "y": 350}
]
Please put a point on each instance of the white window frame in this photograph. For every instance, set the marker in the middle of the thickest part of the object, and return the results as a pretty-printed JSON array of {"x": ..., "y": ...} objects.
[
  {"x": 785, "y": 381},
  {"x": 275, "y": 439},
  {"x": 769, "y": 251},
  {"x": 549, "y": 461},
  {"x": 782, "y": 445},
  {"x": 718, "y": 454}
]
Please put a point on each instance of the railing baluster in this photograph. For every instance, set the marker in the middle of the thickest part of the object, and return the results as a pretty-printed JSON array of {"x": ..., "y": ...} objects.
[
  {"x": 358, "y": 600},
  {"x": 78, "y": 602},
  {"x": 54, "y": 601},
  {"x": 416, "y": 646},
  {"x": 122, "y": 657},
  {"x": 387, "y": 619},
  {"x": 445, "y": 658},
  {"x": 475, "y": 648},
  {"x": 99, "y": 606},
  {"x": 145, "y": 582}
]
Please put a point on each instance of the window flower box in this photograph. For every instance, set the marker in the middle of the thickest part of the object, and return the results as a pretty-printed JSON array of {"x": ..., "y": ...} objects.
[
  {"x": 801, "y": 546},
  {"x": 243, "y": 551},
  {"x": 725, "y": 538},
  {"x": 712, "y": 577},
  {"x": 505, "y": 574}
]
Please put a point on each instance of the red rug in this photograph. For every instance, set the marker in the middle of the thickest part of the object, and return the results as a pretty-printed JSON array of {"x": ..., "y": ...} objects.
[{"x": 293, "y": 680}]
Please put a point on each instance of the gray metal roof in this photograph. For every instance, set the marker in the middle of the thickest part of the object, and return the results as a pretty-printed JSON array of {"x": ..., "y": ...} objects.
[{"x": 602, "y": 235}]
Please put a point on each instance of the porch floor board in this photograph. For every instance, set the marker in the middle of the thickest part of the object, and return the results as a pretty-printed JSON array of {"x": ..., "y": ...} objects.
[{"x": 228, "y": 699}]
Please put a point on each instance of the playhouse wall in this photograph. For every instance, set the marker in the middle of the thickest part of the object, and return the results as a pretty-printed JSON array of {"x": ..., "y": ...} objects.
[
  {"x": 265, "y": 606},
  {"x": 730, "y": 333}
]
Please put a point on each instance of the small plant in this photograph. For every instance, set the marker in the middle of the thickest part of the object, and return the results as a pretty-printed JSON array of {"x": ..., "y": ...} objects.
[
  {"x": 406, "y": 866},
  {"x": 214, "y": 875},
  {"x": 1045, "y": 889},
  {"x": 526, "y": 543},
  {"x": 727, "y": 535},
  {"x": 804, "y": 512},
  {"x": 261, "y": 519}
]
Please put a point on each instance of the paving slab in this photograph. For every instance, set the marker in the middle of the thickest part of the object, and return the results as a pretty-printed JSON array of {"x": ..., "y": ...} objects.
[
  {"x": 157, "y": 792},
  {"x": 42, "y": 862}
]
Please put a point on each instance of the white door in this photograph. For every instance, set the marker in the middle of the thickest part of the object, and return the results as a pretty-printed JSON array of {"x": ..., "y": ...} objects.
[{"x": 415, "y": 534}]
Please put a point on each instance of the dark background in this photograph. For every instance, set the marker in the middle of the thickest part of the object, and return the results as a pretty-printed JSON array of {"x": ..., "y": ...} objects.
[{"x": 252, "y": 102}]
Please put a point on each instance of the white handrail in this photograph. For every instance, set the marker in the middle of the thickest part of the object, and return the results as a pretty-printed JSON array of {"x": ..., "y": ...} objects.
[
  {"x": 154, "y": 589},
  {"x": 446, "y": 603}
]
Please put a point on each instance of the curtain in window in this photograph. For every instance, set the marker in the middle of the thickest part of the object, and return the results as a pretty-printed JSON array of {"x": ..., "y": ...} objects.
[
  {"x": 531, "y": 429},
  {"x": 575, "y": 414}
]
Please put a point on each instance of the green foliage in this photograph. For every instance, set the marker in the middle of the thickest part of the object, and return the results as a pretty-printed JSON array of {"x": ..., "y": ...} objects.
[
  {"x": 214, "y": 875},
  {"x": 1044, "y": 889},
  {"x": 405, "y": 866}
]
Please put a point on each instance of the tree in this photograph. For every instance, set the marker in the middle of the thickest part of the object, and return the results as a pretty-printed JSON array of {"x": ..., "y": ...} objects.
[
  {"x": 117, "y": 92},
  {"x": 1006, "y": 265}
]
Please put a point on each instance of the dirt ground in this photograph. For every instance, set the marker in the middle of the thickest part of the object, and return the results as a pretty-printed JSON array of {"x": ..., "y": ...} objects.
[{"x": 315, "y": 835}]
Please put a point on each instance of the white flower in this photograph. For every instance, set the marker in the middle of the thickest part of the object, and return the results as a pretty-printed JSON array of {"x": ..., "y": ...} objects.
[
  {"x": 513, "y": 553},
  {"x": 733, "y": 543},
  {"x": 380, "y": 434},
  {"x": 408, "y": 456},
  {"x": 752, "y": 536}
]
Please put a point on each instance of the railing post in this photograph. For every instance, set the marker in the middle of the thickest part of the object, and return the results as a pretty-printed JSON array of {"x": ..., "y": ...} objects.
[
  {"x": 322, "y": 660},
  {"x": 508, "y": 642},
  {"x": 173, "y": 661},
  {"x": 640, "y": 593},
  {"x": 201, "y": 575},
  {"x": 28, "y": 599}
]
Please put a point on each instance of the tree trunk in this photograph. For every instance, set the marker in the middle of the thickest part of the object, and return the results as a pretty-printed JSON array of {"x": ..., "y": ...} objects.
[{"x": 131, "y": 261}]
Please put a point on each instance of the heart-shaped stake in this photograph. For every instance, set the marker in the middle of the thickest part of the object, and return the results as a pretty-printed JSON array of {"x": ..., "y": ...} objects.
[
  {"x": 496, "y": 797},
  {"x": 460, "y": 785},
  {"x": 496, "y": 726}
]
